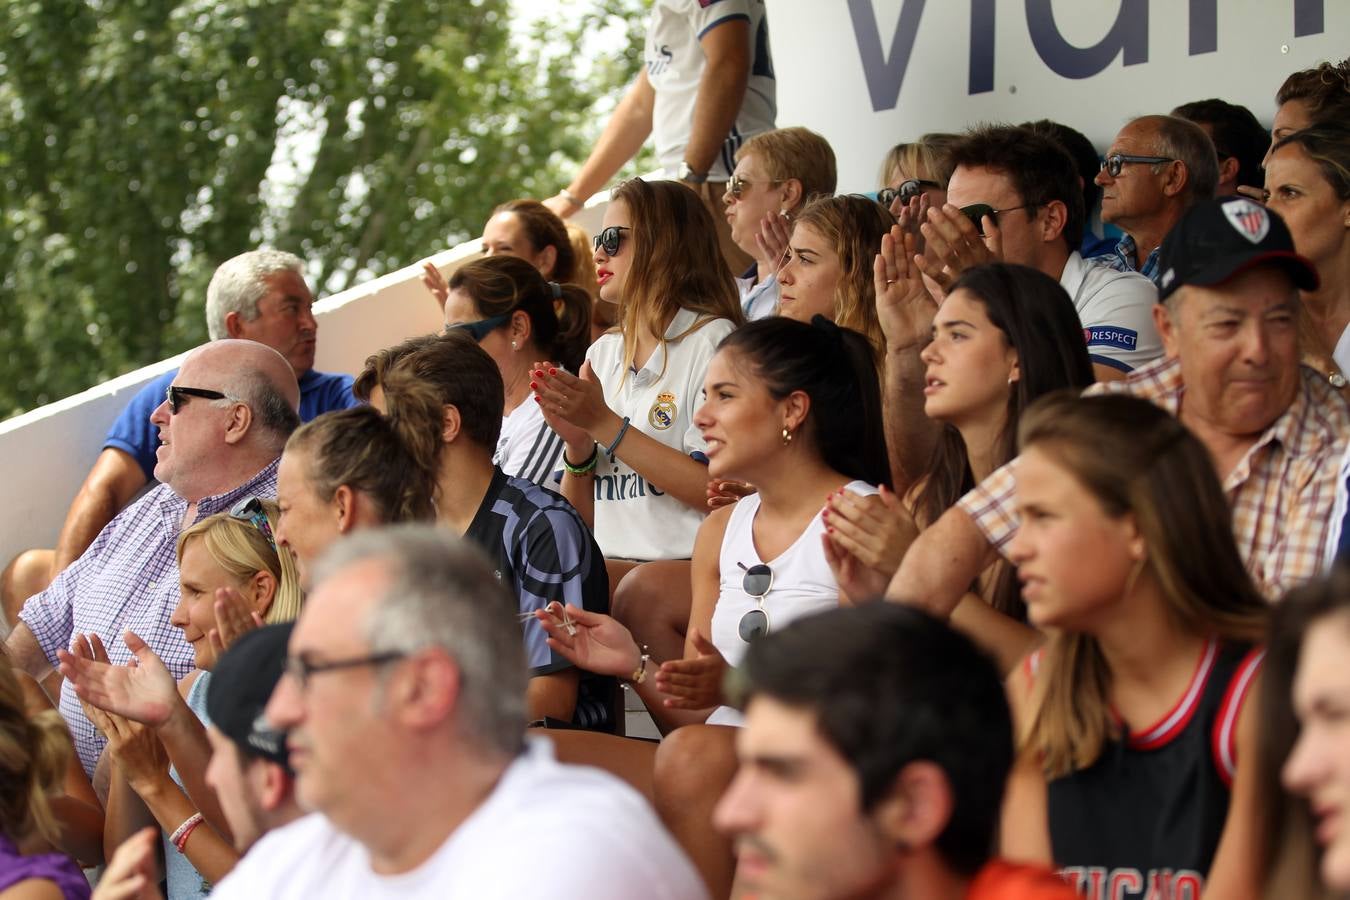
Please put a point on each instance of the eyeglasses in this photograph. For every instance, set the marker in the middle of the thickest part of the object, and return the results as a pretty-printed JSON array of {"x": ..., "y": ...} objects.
[
  {"x": 250, "y": 509},
  {"x": 736, "y": 185},
  {"x": 480, "y": 329},
  {"x": 610, "y": 239},
  {"x": 302, "y": 670},
  {"x": 1113, "y": 163},
  {"x": 177, "y": 396},
  {"x": 907, "y": 191},
  {"x": 976, "y": 212},
  {"x": 757, "y": 582}
]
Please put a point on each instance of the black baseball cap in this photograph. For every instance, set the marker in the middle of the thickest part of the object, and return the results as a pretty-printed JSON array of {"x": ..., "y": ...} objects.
[
  {"x": 241, "y": 684},
  {"x": 1220, "y": 238}
]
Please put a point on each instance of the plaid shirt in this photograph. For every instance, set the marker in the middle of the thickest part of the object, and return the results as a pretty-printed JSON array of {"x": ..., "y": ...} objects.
[
  {"x": 1122, "y": 259},
  {"x": 126, "y": 580},
  {"x": 1283, "y": 491}
]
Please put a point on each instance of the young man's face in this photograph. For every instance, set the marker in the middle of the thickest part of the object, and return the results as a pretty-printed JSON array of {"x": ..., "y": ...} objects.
[
  {"x": 236, "y": 781},
  {"x": 795, "y": 812}
]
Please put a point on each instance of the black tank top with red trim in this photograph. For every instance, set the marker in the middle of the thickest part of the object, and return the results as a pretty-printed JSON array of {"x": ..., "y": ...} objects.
[{"x": 1144, "y": 820}]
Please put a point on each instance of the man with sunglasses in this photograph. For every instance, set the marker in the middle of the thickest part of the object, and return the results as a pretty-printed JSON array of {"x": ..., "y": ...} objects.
[
  {"x": 404, "y": 712},
  {"x": 1156, "y": 169},
  {"x": 1020, "y": 201},
  {"x": 222, "y": 425},
  {"x": 707, "y": 85},
  {"x": 260, "y": 296}
]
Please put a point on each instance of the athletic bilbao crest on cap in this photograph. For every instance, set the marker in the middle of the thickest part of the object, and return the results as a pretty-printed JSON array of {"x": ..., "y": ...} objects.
[
  {"x": 1249, "y": 218},
  {"x": 663, "y": 411}
]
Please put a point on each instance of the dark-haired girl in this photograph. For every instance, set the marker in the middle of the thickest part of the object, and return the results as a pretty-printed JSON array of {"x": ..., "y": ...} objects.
[{"x": 795, "y": 410}]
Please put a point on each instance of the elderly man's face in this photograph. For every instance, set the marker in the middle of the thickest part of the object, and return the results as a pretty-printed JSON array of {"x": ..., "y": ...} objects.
[
  {"x": 1137, "y": 192},
  {"x": 795, "y": 811},
  {"x": 192, "y": 438},
  {"x": 285, "y": 322},
  {"x": 1238, "y": 346},
  {"x": 337, "y": 731}
]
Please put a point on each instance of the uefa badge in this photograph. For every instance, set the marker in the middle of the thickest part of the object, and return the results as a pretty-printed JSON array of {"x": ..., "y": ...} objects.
[{"x": 663, "y": 411}]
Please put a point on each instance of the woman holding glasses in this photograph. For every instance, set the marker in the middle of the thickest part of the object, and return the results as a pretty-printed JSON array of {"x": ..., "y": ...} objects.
[
  {"x": 233, "y": 579},
  {"x": 777, "y": 173},
  {"x": 794, "y": 409},
  {"x": 509, "y": 309}
]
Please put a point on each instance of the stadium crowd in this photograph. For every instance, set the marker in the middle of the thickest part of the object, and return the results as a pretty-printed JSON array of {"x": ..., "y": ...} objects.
[{"x": 955, "y": 550}]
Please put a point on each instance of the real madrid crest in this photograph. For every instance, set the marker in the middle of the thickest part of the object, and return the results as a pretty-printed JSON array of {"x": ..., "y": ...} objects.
[{"x": 663, "y": 411}]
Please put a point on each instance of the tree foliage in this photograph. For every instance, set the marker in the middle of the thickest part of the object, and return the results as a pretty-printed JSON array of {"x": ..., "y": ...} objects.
[{"x": 142, "y": 142}]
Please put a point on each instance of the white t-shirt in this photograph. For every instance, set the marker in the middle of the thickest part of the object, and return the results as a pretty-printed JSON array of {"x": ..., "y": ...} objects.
[
  {"x": 547, "y": 830},
  {"x": 528, "y": 448},
  {"x": 802, "y": 583},
  {"x": 674, "y": 59},
  {"x": 633, "y": 518},
  {"x": 1116, "y": 309}
]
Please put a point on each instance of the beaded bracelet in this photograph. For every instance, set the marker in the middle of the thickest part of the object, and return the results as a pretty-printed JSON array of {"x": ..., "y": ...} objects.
[{"x": 585, "y": 467}]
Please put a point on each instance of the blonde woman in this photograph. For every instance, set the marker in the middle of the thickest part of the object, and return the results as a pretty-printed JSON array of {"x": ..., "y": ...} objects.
[
  {"x": 35, "y": 753},
  {"x": 1135, "y": 768},
  {"x": 232, "y": 579}
]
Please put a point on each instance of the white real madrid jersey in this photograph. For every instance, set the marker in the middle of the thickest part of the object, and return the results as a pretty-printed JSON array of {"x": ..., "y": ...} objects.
[{"x": 635, "y": 519}]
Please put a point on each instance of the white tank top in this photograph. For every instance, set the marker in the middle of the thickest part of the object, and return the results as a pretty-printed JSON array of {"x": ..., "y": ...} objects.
[{"x": 802, "y": 583}]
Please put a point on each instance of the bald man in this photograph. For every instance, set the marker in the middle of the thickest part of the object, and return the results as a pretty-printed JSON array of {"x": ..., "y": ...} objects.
[{"x": 222, "y": 425}]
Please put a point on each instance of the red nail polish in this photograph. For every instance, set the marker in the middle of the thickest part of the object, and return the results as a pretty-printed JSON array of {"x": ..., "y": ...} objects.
[
  {"x": 829, "y": 529},
  {"x": 533, "y": 386},
  {"x": 553, "y": 371},
  {"x": 538, "y": 373}
]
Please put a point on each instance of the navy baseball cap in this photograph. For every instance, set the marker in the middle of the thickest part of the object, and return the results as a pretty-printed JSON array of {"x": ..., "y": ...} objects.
[
  {"x": 241, "y": 684},
  {"x": 1218, "y": 239}
]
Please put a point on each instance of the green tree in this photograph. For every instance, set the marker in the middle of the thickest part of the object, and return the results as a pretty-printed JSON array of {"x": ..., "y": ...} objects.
[{"x": 142, "y": 142}]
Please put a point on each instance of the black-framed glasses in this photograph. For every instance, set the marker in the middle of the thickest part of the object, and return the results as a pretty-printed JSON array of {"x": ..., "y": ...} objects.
[
  {"x": 482, "y": 328},
  {"x": 976, "y": 212},
  {"x": 250, "y": 509},
  {"x": 302, "y": 670},
  {"x": 610, "y": 239},
  {"x": 757, "y": 582},
  {"x": 1116, "y": 161},
  {"x": 736, "y": 185},
  {"x": 907, "y": 191},
  {"x": 177, "y": 396}
]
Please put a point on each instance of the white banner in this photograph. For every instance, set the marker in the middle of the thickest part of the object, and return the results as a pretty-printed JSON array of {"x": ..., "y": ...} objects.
[{"x": 868, "y": 74}]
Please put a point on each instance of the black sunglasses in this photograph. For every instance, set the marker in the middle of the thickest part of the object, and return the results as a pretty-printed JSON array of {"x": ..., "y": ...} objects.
[
  {"x": 976, "y": 212},
  {"x": 482, "y": 328},
  {"x": 736, "y": 185},
  {"x": 1113, "y": 163},
  {"x": 757, "y": 582},
  {"x": 177, "y": 396},
  {"x": 907, "y": 191},
  {"x": 610, "y": 239},
  {"x": 250, "y": 509}
]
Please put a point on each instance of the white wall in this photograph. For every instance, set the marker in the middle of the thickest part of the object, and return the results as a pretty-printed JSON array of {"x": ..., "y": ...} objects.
[{"x": 822, "y": 82}]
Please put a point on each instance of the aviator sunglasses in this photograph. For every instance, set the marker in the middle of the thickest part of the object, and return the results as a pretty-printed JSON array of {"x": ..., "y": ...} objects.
[
  {"x": 757, "y": 582},
  {"x": 610, "y": 239},
  {"x": 907, "y": 191}
]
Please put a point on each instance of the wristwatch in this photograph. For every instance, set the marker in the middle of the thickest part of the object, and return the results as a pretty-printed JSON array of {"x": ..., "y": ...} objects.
[{"x": 688, "y": 174}]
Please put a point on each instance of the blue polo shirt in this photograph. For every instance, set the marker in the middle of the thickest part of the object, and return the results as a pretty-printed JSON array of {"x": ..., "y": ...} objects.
[{"x": 320, "y": 392}]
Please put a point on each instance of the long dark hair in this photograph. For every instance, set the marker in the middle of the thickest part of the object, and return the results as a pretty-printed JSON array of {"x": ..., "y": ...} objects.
[
  {"x": 1291, "y": 849},
  {"x": 834, "y": 367},
  {"x": 1039, "y": 321}
]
